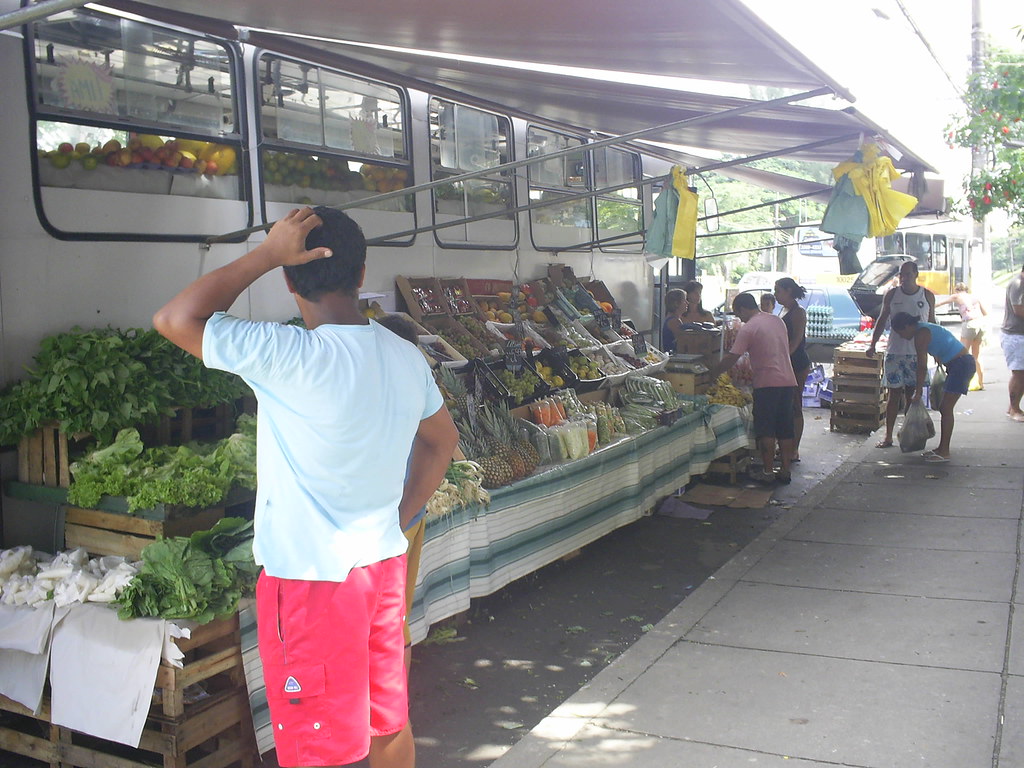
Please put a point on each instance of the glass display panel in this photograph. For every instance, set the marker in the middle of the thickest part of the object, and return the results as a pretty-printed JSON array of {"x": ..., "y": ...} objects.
[
  {"x": 560, "y": 225},
  {"x": 306, "y": 104},
  {"x": 92, "y": 65},
  {"x": 464, "y": 139}
]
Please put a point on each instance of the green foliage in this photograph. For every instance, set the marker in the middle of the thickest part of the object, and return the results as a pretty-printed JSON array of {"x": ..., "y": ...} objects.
[
  {"x": 733, "y": 194},
  {"x": 199, "y": 577},
  {"x": 993, "y": 123},
  {"x": 104, "y": 380},
  {"x": 1008, "y": 252},
  {"x": 196, "y": 475}
]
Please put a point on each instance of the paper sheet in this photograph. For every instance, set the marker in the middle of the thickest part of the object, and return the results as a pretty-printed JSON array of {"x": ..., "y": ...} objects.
[{"x": 103, "y": 671}]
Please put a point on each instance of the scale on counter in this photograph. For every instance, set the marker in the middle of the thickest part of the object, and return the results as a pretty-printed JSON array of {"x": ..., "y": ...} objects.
[{"x": 686, "y": 364}]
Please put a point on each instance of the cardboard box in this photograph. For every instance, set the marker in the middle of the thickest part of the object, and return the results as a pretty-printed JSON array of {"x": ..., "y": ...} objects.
[
  {"x": 703, "y": 343},
  {"x": 489, "y": 287},
  {"x": 687, "y": 383}
]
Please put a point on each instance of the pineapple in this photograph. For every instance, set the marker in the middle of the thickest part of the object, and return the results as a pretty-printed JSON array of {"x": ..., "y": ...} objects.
[
  {"x": 496, "y": 471},
  {"x": 512, "y": 435},
  {"x": 456, "y": 391},
  {"x": 502, "y": 437}
]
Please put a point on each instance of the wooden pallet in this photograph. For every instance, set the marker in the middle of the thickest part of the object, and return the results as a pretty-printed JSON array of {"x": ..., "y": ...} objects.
[
  {"x": 733, "y": 464},
  {"x": 112, "y": 533},
  {"x": 212, "y": 732},
  {"x": 862, "y": 425}
]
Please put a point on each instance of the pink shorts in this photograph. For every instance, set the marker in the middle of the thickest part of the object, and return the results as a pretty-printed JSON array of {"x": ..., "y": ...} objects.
[{"x": 333, "y": 662}]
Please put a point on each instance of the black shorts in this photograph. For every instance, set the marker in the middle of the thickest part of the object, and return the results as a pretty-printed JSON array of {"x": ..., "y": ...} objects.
[{"x": 773, "y": 412}]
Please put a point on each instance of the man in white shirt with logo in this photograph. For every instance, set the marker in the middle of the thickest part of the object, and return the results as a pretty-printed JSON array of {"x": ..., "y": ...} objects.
[
  {"x": 342, "y": 405},
  {"x": 900, "y": 374}
]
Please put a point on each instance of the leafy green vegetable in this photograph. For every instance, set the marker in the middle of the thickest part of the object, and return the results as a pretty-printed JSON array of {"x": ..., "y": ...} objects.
[
  {"x": 105, "y": 380},
  {"x": 195, "y": 475},
  {"x": 200, "y": 577}
]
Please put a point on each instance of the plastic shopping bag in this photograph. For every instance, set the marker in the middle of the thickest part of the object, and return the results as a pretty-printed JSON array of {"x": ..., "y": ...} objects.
[
  {"x": 938, "y": 387},
  {"x": 917, "y": 428}
]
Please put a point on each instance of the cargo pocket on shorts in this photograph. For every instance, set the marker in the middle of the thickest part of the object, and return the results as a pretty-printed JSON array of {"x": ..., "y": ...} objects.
[{"x": 295, "y": 694}]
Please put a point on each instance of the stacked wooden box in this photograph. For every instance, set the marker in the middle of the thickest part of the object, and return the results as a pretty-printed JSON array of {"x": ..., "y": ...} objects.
[
  {"x": 199, "y": 716},
  {"x": 859, "y": 397}
]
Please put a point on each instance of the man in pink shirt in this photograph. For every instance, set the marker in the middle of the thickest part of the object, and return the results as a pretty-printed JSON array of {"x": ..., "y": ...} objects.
[{"x": 763, "y": 336}]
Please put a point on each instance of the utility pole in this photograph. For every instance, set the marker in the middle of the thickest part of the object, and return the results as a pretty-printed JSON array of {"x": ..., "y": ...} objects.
[{"x": 979, "y": 254}]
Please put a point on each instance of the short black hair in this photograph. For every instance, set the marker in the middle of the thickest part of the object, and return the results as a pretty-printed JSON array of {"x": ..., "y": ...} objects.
[
  {"x": 401, "y": 327},
  {"x": 744, "y": 301},
  {"x": 343, "y": 270},
  {"x": 902, "y": 319}
]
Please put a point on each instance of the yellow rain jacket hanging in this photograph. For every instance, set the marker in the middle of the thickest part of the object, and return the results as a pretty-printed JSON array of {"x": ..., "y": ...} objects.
[
  {"x": 863, "y": 202},
  {"x": 674, "y": 229}
]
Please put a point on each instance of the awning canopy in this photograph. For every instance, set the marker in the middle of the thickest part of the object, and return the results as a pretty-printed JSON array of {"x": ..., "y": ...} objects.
[{"x": 721, "y": 41}]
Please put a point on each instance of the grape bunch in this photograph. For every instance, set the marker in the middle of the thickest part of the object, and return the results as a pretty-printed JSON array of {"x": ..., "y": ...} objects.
[{"x": 519, "y": 387}]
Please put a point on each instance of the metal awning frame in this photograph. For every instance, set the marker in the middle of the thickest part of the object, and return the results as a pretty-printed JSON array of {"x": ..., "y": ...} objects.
[{"x": 596, "y": 144}]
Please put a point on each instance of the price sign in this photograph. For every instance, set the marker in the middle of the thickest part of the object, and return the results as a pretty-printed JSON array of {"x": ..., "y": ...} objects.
[
  {"x": 617, "y": 318},
  {"x": 639, "y": 344},
  {"x": 603, "y": 321},
  {"x": 519, "y": 329},
  {"x": 551, "y": 317},
  {"x": 514, "y": 358}
]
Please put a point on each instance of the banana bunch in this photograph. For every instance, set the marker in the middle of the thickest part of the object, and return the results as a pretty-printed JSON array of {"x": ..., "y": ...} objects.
[{"x": 725, "y": 393}]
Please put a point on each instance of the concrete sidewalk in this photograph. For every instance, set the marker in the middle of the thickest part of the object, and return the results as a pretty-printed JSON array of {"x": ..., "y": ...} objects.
[{"x": 873, "y": 625}]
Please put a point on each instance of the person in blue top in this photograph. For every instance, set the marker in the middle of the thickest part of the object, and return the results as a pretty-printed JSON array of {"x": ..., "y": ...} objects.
[
  {"x": 932, "y": 339},
  {"x": 343, "y": 404}
]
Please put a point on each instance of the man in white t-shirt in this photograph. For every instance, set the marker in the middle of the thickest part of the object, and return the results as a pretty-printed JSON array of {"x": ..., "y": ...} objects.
[
  {"x": 900, "y": 366},
  {"x": 342, "y": 405}
]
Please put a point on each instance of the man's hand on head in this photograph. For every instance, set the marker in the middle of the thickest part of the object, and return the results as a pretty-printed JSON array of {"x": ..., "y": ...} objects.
[{"x": 285, "y": 245}]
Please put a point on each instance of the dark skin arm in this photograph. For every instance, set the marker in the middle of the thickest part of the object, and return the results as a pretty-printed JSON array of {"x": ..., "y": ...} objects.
[
  {"x": 922, "y": 339},
  {"x": 799, "y": 328},
  {"x": 182, "y": 320},
  {"x": 882, "y": 321},
  {"x": 728, "y": 361},
  {"x": 432, "y": 450}
]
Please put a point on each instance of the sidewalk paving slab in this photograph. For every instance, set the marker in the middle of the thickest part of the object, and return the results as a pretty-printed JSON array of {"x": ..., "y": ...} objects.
[
  {"x": 960, "y": 634},
  {"x": 875, "y": 625}
]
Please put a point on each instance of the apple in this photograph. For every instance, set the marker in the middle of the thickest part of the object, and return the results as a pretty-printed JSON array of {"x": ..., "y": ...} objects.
[
  {"x": 124, "y": 157},
  {"x": 112, "y": 146},
  {"x": 186, "y": 162},
  {"x": 173, "y": 159},
  {"x": 211, "y": 168},
  {"x": 83, "y": 148},
  {"x": 66, "y": 147},
  {"x": 90, "y": 161},
  {"x": 137, "y": 157},
  {"x": 112, "y": 159},
  {"x": 60, "y": 160}
]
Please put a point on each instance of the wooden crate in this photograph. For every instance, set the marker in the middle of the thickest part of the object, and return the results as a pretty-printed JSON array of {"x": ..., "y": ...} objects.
[
  {"x": 212, "y": 732},
  {"x": 858, "y": 425},
  {"x": 856, "y": 389},
  {"x": 188, "y": 424},
  {"x": 112, "y": 533},
  {"x": 43, "y": 457},
  {"x": 733, "y": 465},
  {"x": 687, "y": 383}
]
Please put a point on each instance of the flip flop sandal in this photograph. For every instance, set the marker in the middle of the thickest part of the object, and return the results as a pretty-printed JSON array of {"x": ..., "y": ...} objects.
[
  {"x": 935, "y": 459},
  {"x": 926, "y": 454},
  {"x": 883, "y": 444}
]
